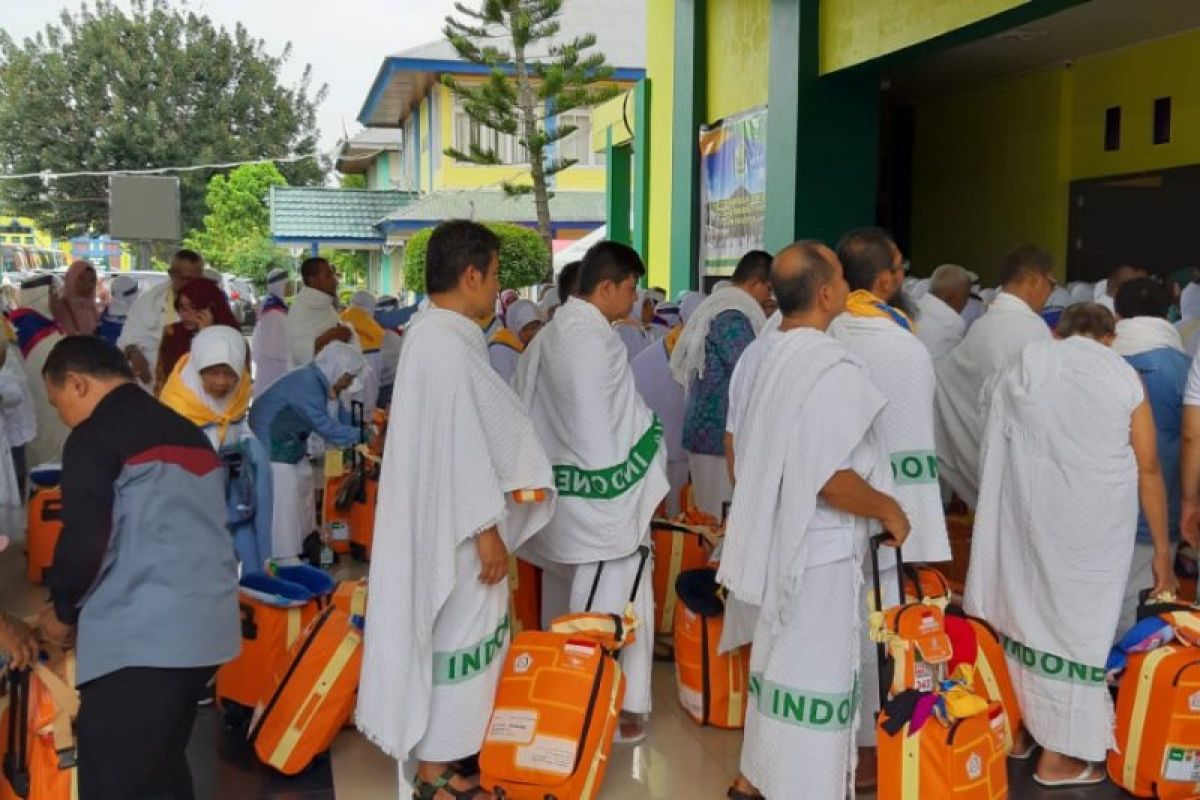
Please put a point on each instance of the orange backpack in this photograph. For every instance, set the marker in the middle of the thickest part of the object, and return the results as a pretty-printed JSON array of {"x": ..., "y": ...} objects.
[
  {"x": 712, "y": 686},
  {"x": 44, "y": 527},
  {"x": 557, "y": 706},
  {"x": 313, "y": 697}
]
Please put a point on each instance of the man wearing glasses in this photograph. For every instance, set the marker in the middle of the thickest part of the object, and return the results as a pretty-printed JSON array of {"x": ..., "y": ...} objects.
[
  {"x": 153, "y": 311},
  {"x": 1012, "y": 321}
]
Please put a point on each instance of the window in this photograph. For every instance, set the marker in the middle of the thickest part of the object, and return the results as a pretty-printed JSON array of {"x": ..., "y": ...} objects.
[
  {"x": 579, "y": 144},
  {"x": 1162, "y": 120},
  {"x": 1112, "y": 129},
  {"x": 467, "y": 132}
]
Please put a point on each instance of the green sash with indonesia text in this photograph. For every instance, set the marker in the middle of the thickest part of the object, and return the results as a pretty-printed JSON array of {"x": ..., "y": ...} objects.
[{"x": 609, "y": 483}]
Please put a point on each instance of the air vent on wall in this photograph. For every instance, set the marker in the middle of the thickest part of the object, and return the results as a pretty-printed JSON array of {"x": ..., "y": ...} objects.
[{"x": 1112, "y": 129}]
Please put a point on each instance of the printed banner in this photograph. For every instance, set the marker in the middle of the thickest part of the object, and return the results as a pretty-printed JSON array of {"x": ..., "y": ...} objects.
[{"x": 733, "y": 191}]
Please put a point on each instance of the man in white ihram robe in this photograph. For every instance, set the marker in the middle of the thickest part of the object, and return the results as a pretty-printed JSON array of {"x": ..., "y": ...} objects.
[
  {"x": 608, "y": 457},
  {"x": 1012, "y": 321},
  {"x": 438, "y": 629},
  {"x": 793, "y": 548}
]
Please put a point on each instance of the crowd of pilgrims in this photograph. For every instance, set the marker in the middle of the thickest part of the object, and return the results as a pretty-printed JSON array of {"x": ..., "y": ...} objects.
[{"x": 814, "y": 397}]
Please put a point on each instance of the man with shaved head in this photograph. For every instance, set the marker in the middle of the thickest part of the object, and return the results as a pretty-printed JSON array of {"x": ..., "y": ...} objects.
[
  {"x": 818, "y": 484},
  {"x": 940, "y": 323}
]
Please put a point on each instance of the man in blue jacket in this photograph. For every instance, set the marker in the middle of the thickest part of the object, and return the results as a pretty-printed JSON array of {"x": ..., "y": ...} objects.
[
  {"x": 1152, "y": 346},
  {"x": 144, "y": 574}
]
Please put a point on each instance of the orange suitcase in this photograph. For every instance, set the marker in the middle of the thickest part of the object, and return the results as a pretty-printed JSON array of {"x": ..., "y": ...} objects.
[
  {"x": 712, "y": 687},
  {"x": 1158, "y": 725},
  {"x": 678, "y": 548},
  {"x": 351, "y": 597},
  {"x": 362, "y": 519},
  {"x": 313, "y": 697},
  {"x": 910, "y": 638},
  {"x": 991, "y": 677},
  {"x": 923, "y": 583},
  {"x": 965, "y": 761},
  {"x": 336, "y": 523},
  {"x": 525, "y": 595},
  {"x": 36, "y": 717},
  {"x": 557, "y": 707},
  {"x": 275, "y": 611},
  {"x": 44, "y": 526}
]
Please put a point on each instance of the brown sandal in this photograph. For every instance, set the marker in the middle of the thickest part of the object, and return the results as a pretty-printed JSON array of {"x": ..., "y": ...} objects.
[{"x": 428, "y": 790}]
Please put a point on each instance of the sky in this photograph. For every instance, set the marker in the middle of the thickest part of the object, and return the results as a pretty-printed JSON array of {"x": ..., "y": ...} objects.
[{"x": 345, "y": 42}]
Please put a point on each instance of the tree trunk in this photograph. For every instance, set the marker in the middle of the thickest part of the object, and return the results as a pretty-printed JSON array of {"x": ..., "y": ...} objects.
[{"x": 537, "y": 169}]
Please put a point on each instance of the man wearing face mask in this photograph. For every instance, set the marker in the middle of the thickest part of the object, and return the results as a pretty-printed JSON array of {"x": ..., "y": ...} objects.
[
  {"x": 270, "y": 342},
  {"x": 296, "y": 406},
  {"x": 608, "y": 456},
  {"x": 881, "y": 335}
]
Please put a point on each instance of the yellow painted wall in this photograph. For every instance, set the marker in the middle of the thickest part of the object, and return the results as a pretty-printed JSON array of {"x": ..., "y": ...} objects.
[
  {"x": 986, "y": 174},
  {"x": 453, "y": 175},
  {"x": 427, "y": 155},
  {"x": 660, "y": 59},
  {"x": 1133, "y": 78},
  {"x": 854, "y": 31},
  {"x": 992, "y": 166},
  {"x": 739, "y": 45}
]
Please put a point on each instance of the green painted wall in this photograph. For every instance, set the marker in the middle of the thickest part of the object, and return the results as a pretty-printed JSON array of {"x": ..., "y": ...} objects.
[{"x": 739, "y": 38}]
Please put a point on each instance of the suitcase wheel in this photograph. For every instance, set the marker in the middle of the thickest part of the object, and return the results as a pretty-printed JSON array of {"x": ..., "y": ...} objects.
[
  {"x": 235, "y": 716},
  {"x": 499, "y": 793},
  {"x": 359, "y": 553}
]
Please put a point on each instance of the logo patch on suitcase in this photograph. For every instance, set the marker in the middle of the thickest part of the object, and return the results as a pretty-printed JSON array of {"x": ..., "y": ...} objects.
[
  {"x": 974, "y": 766},
  {"x": 1194, "y": 702},
  {"x": 1181, "y": 765},
  {"x": 522, "y": 663},
  {"x": 548, "y": 754}
]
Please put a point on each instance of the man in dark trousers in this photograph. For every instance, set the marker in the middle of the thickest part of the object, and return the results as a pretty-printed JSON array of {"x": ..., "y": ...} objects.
[{"x": 144, "y": 574}]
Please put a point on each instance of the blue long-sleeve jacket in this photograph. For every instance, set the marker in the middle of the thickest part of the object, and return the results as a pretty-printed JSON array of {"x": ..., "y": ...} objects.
[{"x": 295, "y": 406}]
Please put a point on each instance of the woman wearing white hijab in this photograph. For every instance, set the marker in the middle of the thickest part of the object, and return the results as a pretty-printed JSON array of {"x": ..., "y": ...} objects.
[
  {"x": 296, "y": 406},
  {"x": 522, "y": 320},
  {"x": 211, "y": 386}
]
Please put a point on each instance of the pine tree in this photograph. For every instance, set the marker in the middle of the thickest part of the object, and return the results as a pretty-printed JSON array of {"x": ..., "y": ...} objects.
[{"x": 523, "y": 92}]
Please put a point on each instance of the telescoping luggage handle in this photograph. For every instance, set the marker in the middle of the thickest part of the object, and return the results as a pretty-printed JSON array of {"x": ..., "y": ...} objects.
[
  {"x": 644, "y": 552},
  {"x": 877, "y": 541}
]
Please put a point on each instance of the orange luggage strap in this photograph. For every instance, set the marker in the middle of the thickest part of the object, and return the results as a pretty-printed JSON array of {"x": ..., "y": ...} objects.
[{"x": 66, "y": 701}]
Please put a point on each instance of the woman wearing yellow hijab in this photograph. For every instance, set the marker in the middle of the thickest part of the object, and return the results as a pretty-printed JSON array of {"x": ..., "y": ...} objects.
[{"x": 210, "y": 385}]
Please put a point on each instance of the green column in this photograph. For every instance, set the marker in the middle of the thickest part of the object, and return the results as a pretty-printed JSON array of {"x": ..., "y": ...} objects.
[
  {"x": 822, "y": 135},
  {"x": 616, "y": 191},
  {"x": 688, "y": 107},
  {"x": 641, "y": 167}
]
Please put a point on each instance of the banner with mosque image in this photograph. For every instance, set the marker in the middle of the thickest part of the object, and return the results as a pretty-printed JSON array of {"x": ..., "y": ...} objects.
[{"x": 733, "y": 191}]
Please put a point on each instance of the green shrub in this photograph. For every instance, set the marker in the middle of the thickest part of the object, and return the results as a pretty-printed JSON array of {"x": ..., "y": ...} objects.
[{"x": 523, "y": 257}]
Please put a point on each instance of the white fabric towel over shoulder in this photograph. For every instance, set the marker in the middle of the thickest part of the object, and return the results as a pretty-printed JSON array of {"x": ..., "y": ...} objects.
[
  {"x": 902, "y": 369},
  {"x": 1143, "y": 334},
  {"x": 687, "y": 360},
  {"x": 603, "y": 441},
  {"x": 813, "y": 387},
  {"x": 467, "y": 444}
]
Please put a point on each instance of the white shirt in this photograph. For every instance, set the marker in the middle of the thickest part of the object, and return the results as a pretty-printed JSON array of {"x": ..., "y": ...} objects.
[
  {"x": 1191, "y": 394},
  {"x": 939, "y": 327}
]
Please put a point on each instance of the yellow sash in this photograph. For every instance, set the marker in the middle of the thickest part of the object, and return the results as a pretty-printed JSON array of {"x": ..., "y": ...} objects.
[
  {"x": 862, "y": 303},
  {"x": 179, "y": 398},
  {"x": 507, "y": 338},
  {"x": 370, "y": 332}
]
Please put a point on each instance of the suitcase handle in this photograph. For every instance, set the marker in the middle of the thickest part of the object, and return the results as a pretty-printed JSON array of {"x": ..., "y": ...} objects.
[
  {"x": 881, "y": 655},
  {"x": 644, "y": 551},
  {"x": 249, "y": 627},
  {"x": 16, "y": 758},
  {"x": 52, "y": 510}
]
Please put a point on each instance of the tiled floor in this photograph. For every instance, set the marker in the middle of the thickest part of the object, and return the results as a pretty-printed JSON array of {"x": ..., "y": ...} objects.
[{"x": 678, "y": 761}]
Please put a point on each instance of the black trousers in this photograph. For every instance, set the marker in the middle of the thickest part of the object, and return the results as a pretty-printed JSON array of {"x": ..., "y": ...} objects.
[{"x": 133, "y": 728}]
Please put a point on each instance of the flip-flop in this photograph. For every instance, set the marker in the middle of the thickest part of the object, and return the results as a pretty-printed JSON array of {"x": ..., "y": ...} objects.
[
  {"x": 1026, "y": 755},
  {"x": 620, "y": 738},
  {"x": 1089, "y": 777}
]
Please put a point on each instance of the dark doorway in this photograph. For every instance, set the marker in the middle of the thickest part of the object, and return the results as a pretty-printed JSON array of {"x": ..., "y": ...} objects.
[{"x": 1144, "y": 219}]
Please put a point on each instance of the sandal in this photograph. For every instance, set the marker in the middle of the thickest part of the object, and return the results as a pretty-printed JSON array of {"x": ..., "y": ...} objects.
[
  {"x": 428, "y": 790},
  {"x": 1090, "y": 776},
  {"x": 735, "y": 793}
]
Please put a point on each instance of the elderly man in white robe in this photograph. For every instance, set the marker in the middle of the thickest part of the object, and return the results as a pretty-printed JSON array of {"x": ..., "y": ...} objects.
[
  {"x": 1012, "y": 321},
  {"x": 1069, "y": 451},
  {"x": 881, "y": 336},
  {"x": 313, "y": 320},
  {"x": 940, "y": 324},
  {"x": 608, "y": 456},
  {"x": 446, "y": 524},
  {"x": 802, "y": 512},
  {"x": 152, "y": 312}
]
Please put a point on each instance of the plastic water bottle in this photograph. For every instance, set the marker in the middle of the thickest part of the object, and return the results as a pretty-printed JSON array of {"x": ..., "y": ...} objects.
[{"x": 326, "y": 556}]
